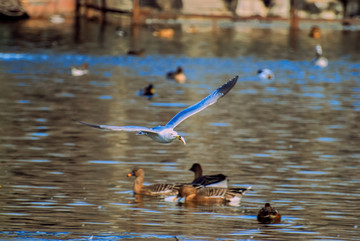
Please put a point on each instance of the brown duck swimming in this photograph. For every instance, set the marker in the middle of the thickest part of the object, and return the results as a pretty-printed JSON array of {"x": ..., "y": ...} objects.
[
  {"x": 268, "y": 214},
  {"x": 159, "y": 189},
  {"x": 178, "y": 75},
  {"x": 193, "y": 193}
]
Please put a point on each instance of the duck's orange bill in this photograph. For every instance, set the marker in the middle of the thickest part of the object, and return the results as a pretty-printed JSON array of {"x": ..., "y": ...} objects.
[{"x": 129, "y": 175}]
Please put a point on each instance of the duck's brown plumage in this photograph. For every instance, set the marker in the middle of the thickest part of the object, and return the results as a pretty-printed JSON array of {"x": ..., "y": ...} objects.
[
  {"x": 315, "y": 32},
  {"x": 159, "y": 189},
  {"x": 268, "y": 214},
  {"x": 178, "y": 75},
  {"x": 210, "y": 194}
]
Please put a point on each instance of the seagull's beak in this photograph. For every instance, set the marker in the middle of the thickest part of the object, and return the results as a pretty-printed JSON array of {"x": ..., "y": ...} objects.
[{"x": 181, "y": 139}]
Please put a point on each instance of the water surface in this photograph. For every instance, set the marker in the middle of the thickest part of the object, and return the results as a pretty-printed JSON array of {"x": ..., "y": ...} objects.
[{"x": 294, "y": 139}]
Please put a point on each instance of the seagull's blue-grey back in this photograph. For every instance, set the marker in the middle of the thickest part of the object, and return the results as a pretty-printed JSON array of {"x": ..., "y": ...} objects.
[{"x": 209, "y": 100}]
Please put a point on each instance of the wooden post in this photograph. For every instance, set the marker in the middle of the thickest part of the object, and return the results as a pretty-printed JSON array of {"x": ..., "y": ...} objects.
[
  {"x": 344, "y": 3},
  {"x": 103, "y": 11},
  {"x": 86, "y": 10},
  {"x": 77, "y": 7},
  {"x": 136, "y": 12},
  {"x": 294, "y": 20},
  {"x": 77, "y": 22}
]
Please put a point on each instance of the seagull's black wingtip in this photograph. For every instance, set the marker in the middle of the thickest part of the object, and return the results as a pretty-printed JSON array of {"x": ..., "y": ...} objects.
[
  {"x": 235, "y": 79},
  {"x": 225, "y": 88}
]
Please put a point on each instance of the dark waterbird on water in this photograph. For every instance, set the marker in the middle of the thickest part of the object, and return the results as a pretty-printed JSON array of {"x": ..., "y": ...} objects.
[
  {"x": 268, "y": 214},
  {"x": 147, "y": 91},
  {"x": 218, "y": 180},
  {"x": 139, "y": 52},
  {"x": 166, "y": 133}
]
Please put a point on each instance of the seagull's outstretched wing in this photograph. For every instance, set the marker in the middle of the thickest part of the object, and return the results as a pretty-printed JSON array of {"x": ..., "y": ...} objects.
[
  {"x": 207, "y": 101},
  {"x": 121, "y": 128}
]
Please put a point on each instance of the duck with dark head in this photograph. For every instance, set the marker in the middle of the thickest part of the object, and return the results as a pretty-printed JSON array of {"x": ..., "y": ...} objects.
[{"x": 268, "y": 215}]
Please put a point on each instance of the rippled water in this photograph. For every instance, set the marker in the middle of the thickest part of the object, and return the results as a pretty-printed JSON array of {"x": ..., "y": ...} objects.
[{"x": 294, "y": 139}]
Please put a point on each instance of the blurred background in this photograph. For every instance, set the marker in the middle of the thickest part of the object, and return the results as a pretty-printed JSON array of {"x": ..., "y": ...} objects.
[{"x": 289, "y": 128}]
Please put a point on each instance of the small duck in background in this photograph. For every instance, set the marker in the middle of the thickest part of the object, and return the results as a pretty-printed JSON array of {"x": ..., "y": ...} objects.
[
  {"x": 265, "y": 74},
  {"x": 178, "y": 75},
  {"x": 319, "y": 60},
  {"x": 268, "y": 214},
  {"x": 139, "y": 52},
  {"x": 120, "y": 32},
  {"x": 315, "y": 32},
  {"x": 147, "y": 91},
  {"x": 57, "y": 18},
  {"x": 80, "y": 70},
  {"x": 164, "y": 33}
]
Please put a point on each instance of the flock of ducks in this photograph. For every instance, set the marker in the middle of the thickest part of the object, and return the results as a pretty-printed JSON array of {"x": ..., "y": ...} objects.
[
  {"x": 179, "y": 76},
  {"x": 217, "y": 181},
  {"x": 319, "y": 60},
  {"x": 204, "y": 189}
]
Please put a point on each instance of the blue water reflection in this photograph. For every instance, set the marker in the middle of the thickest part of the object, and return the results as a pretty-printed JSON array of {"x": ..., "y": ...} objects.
[{"x": 294, "y": 139}]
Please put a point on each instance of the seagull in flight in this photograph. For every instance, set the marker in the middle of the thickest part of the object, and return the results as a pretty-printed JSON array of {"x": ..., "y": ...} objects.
[{"x": 166, "y": 133}]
